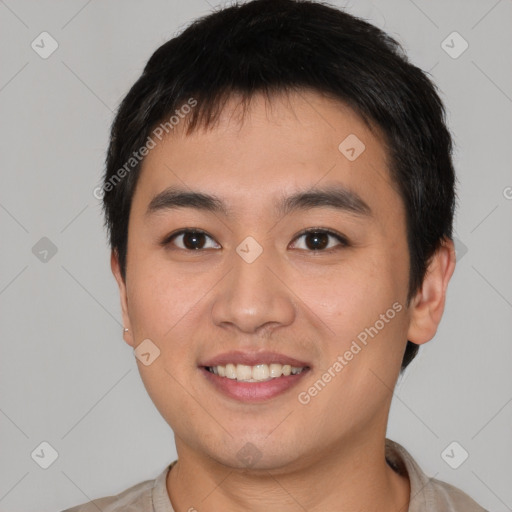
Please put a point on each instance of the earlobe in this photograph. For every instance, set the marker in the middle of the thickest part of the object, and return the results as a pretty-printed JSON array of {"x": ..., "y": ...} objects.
[
  {"x": 426, "y": 309},
  {"x": 116, "y": 270}
]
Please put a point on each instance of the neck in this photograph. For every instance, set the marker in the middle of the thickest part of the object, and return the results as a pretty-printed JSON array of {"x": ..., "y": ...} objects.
[{"x": 353, "y": 477}]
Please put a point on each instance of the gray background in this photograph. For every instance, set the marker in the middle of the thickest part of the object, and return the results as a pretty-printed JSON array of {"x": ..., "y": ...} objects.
[{"x": 66, "y": 375}]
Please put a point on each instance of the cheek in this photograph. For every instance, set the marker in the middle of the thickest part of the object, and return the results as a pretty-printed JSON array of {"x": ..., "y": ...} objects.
[
  {"x": 352, "y": 295},
  {"x": 163, "y": 305},
  {"x": 360, "y": 364},
  {"x": 363, "y": 306},
  {"x": 159, "y": 297}
]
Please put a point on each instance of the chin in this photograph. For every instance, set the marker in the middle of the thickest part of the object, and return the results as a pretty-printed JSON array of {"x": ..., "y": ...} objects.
[{"x": 258, "y": 452}]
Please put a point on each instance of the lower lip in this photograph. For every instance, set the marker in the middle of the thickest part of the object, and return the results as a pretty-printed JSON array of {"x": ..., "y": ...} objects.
[{"x": 253, "y": 391}]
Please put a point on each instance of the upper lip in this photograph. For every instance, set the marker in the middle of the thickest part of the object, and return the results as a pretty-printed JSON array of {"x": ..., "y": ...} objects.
[{"x": 252, "y": 359}]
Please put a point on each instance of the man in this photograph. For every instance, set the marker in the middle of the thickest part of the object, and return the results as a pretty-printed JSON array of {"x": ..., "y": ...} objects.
[{"x": 279, "y": 195}]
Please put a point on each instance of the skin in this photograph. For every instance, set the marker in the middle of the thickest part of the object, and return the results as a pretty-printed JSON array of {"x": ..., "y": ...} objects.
[{"x": 327, "y": 455}]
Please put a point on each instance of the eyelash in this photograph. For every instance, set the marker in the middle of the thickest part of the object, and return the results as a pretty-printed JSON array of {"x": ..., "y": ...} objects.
[{"x": 338, "y": 236}]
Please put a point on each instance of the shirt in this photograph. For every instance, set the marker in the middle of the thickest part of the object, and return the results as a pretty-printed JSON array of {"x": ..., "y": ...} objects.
[{"x": 427, "y": 494}]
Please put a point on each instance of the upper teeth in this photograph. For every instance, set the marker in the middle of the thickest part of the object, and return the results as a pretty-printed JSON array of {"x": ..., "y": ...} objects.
[{"x": 257, "y": 373}]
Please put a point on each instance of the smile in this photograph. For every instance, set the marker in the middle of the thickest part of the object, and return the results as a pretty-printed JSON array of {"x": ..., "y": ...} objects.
[
  {"x": 239, "y": 384},
  {"x": 258, "y": 373}
]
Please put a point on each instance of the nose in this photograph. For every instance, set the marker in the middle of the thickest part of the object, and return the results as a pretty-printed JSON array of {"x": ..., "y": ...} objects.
[{"x": 254, "y": 296}]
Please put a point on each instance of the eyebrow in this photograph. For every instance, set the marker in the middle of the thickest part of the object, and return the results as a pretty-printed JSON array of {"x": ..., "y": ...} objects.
[{"x": 334, "y": 196}]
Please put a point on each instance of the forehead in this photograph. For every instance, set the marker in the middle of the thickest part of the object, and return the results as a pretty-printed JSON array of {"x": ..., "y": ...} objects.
[{"x": 275, "y": 147}]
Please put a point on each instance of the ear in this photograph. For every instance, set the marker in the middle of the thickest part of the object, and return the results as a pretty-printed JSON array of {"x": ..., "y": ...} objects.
[
  {"x": 427, "y": 306},
  {"x": 116, "y": 270}
]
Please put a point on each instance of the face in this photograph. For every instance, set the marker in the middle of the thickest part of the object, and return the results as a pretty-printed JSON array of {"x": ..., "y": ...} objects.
[{"x": 298, "y": 257}]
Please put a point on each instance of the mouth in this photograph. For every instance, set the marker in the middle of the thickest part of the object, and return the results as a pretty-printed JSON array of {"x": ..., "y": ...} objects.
[
  {"x": 257, "y": 373},
  {"x": 253, "y": 378}
]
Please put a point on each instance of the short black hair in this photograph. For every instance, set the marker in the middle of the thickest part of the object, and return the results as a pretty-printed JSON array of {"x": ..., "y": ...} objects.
[{"x": 276, "y": 46}]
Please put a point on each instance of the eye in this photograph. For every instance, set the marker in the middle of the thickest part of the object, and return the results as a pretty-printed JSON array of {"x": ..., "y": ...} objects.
[
  {"x": 189, "y": 240},
  {"x": 318, "y": 240}
]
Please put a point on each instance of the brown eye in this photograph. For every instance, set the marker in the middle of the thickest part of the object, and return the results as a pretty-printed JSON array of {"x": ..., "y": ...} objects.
[
  {"x": 321, "y": 240},
  {"x": 190, "y": 240}
]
